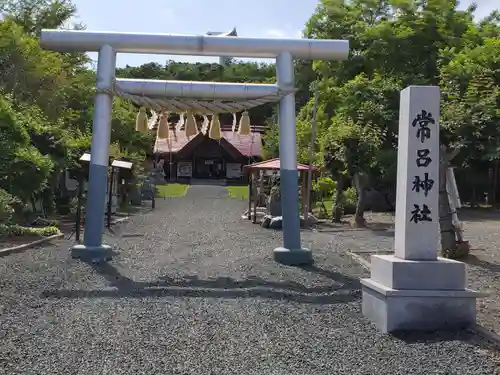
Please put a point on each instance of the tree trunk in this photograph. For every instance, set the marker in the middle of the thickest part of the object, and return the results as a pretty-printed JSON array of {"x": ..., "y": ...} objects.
[
  {"x": 495, "y": 179},
  {"x": 339, "y": 196},
  {"x": 359, "y": 219}
]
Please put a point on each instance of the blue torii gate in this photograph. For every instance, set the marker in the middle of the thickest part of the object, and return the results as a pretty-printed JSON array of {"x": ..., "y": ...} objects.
[{"x": 108, "y": 44}]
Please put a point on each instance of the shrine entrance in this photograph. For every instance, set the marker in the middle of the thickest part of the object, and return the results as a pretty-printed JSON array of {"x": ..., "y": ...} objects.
[{"x": 209, "y": 168}]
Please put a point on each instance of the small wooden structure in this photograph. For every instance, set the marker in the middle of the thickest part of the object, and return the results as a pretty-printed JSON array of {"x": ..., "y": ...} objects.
[
  {"x": 271, "y": 166},
  {"x": 119, "y": 169}
]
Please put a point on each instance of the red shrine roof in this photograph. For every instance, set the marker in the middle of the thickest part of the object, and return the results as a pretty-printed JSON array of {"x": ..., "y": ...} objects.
[
  {"x": 274, "y": 164},
  {"x": 247, "y": 145}
]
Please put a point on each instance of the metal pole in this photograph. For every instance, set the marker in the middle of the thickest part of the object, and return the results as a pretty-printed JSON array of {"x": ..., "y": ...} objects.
[
  {"x": 79, "y": 208},
  {"x": 311, "y": 151},
  {"x": 291, "y": 253},
  {"x": 92, "y": 248}
]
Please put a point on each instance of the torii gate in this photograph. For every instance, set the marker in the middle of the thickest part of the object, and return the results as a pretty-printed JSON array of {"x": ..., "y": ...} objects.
[{"x": 108, "y": 44}]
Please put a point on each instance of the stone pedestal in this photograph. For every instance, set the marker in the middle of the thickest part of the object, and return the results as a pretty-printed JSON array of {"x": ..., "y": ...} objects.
[
  {"x": 92, "y": 254},
  {"x": 417, "y": 295},
  {"x": 296, "y": 257},
  {"x": 414, "y": 289}
]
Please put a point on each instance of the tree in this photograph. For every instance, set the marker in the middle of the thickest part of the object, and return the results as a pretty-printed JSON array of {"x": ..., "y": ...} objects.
[
  {"x": 35, "y": 15},
  {"x": 393, "y": 45}
]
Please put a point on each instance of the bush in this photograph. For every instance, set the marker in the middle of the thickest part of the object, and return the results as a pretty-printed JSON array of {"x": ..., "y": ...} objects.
[
  {"x": 350, "y": 201},
  {"x": 325, "y": 187},
  {"x": 19, "y": 231},
  {"x": 6, "y": 209}
]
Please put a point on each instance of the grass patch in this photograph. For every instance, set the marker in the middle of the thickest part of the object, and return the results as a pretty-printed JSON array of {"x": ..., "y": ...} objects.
[
  {"x": 171, "y": 190},
  {"x": 328, "y": 202},
  {"x": 240, "y": 192}
]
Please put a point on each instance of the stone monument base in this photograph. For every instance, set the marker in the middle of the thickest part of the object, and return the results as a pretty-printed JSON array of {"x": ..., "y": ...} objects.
[
  {"x": 298, "y": 257},
  {"x": 405, "y": 295},
  {"x": 92, "y": 254}
]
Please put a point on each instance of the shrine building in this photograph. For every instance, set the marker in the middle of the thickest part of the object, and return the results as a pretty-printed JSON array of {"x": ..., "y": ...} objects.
[{"x": 206, "y": 158}]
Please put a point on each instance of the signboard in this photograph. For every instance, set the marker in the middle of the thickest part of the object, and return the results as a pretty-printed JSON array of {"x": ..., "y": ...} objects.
[
  {"x": 233, "y": 170},
  {"x": 184, "y": 169}
]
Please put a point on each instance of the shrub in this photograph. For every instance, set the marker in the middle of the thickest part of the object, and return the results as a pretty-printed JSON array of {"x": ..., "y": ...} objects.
[
  {"x": 350, "y": 201},
  {"x": 6, "y": 209},
  {"x": 18, "y": 231},
  {"x": 325, "y": 187}
]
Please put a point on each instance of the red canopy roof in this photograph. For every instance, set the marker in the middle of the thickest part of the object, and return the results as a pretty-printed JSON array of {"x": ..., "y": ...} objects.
[{"x": 274, "y": 164}]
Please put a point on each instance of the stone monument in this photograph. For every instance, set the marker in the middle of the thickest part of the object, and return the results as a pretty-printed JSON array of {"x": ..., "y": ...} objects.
[{"x": 414, "y": 289}]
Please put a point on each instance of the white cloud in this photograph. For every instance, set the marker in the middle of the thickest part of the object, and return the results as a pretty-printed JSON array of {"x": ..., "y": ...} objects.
[
  {"x": 275, "y": 33},
  {"x": 278, "y": 33}
]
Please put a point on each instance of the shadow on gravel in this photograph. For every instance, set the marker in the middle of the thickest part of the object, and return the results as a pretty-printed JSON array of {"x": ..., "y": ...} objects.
[
  {"x": 464, "y": 335},
  {"x": 347, "y": 282},
  {"x": 479, "y": 215},
  {"x": 344, "y": 290},
  {"x": 488, "y": 266},
  {"x": 383, "y": 232}
]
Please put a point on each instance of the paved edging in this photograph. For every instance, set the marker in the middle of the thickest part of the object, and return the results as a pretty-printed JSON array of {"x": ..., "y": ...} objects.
[
  {"x": 486, "y": 333},
  {"x": 120, "y": 220},
  {"x": 16, "y": 249}
]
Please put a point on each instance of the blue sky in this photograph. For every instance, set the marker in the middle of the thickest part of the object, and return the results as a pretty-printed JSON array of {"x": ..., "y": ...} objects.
[{"x": 255, "y": 18}]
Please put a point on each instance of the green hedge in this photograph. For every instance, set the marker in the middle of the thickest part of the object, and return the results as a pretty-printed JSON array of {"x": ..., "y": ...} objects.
[{"x": 19, "y": 231}]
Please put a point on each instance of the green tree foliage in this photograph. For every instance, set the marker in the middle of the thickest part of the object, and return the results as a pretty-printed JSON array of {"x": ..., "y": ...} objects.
[
  {"x": 46, "y": 106},
  {"x": 395, "y": 44},
  {"x": 46, "y": 103}
]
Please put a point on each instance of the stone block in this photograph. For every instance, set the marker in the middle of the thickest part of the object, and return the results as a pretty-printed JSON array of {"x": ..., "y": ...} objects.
[
  {"x": 397, "y": 273},
  {"x": 92, "y": 254},
  {"x": 417, "y": 310},
  {"x": 276, "y": 222},
  {"x": 266, "y": 221}
]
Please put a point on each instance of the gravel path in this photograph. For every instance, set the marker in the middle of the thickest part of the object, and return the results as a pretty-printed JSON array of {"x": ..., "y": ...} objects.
[{"x": 193, "y": 289}]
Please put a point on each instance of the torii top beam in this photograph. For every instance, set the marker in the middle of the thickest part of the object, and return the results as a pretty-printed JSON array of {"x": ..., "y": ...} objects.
[{"x": 196, "y": 45}]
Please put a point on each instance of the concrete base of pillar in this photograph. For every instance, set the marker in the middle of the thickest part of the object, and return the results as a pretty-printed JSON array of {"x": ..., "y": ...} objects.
[
  {"x": 299, "y": 257},
  {"x": 92, "y": 254},
  {"x": 433, "y": 298}
]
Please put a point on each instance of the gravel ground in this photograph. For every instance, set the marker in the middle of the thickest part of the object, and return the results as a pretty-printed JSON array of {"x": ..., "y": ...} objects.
[{"x": 193, "y": 289}]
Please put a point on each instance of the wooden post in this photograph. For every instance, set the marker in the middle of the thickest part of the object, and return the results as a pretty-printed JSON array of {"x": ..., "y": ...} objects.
[
  {"x": 250, "y": 192},
  {"x": 255, "y": 197},
  {"x": 305, "y": 206},
  {"x": 261, "y": 186}
]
